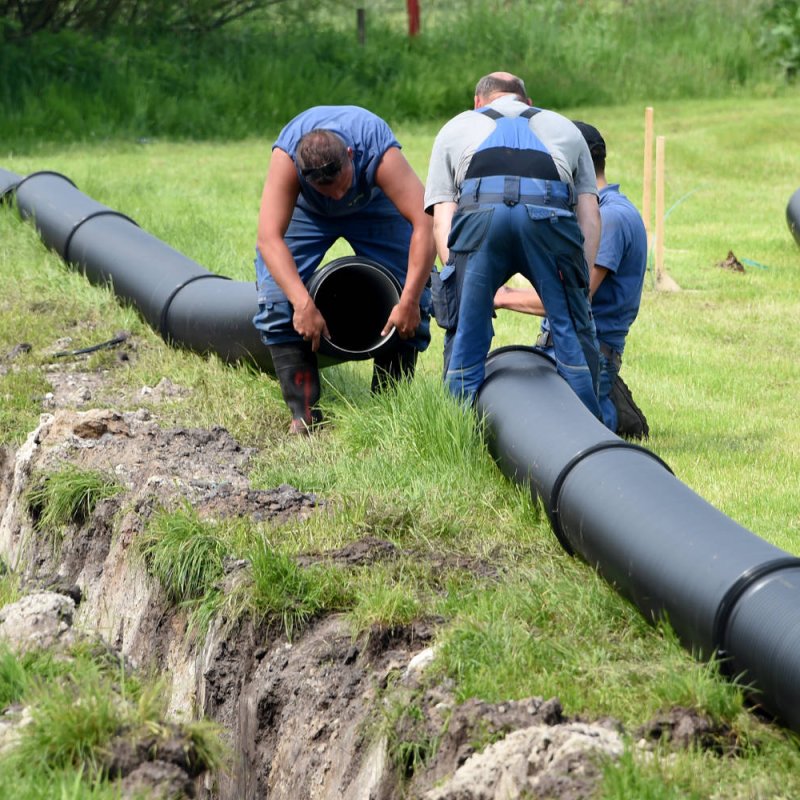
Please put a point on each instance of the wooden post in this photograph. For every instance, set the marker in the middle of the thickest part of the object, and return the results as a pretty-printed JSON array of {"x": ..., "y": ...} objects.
[
  {"x": 647, "y": 175},
  {"x": 663, "y": 281},
  {"x": 361, "y": 25}
]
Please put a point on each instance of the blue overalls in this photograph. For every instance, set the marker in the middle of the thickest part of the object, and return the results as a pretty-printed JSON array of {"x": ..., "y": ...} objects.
[{"x": 514, "y": 216}]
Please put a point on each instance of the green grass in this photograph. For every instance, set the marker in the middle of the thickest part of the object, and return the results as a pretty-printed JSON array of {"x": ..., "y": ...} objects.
[
  {"x": 250, "y": 77},
  {"x": 281, "y": 589},
  {"x": 78, "y": 702},
  {"x": 713, "y": 366},
  {"x": 184, "y": 553},
  {"x": 67, "y": 496}
]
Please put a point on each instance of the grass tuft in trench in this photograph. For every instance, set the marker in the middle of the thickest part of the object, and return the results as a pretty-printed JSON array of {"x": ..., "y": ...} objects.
[
  {"x": 183, "y": 552},
  {"x": 79, "y": 702},
  {"x": 10, "y": 590},
  {"x": 67, "y": 496},
  {"x": 281, "y": 589}
]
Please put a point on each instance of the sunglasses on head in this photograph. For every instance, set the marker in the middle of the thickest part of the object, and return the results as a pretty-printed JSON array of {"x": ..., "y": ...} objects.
[{"x": 323, "y": 173}]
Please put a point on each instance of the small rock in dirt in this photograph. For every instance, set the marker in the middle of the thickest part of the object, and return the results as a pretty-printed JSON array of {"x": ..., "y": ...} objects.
[
  {"x": 18, "y": 350},
  {"x": 38, "y": 621},
  {"x": 95, "y": 424},
  {"x": 157, "y": 780}
]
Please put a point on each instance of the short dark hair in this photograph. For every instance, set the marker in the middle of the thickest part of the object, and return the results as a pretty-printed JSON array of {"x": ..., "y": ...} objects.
[
  {"x": 491, "y": 84},
  {"x": 597, "y": 144},
  {"x": 321, "y": 155}
]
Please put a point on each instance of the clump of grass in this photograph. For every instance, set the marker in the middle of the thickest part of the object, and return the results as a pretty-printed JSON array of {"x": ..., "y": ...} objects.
[
  {"x": 183, "y": 552},
  {"x": 79, "y": 703},
  {"x": 9, "y": 585},
  {"x": 386, "y": 597},
  {"x": 631, "y": 777},
  {"x": 67, "y": 496},
  {"x": 72, "y": 721},
  {"x": 20, "y": 673},
  {"x": 13, "y": 678},
  {"x": 22, "y": 392},
  {"x": 284, "y": 590},
  {"x": 66, "y": 784},
  {"x": 411, "y": 740}
]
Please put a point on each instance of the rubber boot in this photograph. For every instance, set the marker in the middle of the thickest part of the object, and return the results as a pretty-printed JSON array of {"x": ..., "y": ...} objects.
[
  {"x": 298, "y": 374},
  {"x": 631, "y": 422},
  {"x": 398, "y": 363}
]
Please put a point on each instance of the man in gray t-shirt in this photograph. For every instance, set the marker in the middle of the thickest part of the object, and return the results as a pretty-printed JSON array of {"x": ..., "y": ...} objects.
[{"x": 512, "y": 189}]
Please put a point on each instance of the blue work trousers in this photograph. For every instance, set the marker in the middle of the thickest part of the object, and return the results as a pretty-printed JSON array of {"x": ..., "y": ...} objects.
[
  {"x": 488, "y": 244},
  {"x": 609, "y": 370},
  {"x": 378, "y": 231}
]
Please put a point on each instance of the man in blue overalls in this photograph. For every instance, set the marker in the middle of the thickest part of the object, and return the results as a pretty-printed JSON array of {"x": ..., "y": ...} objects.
[
  {"x": 616, "y": 280},
  {"x": 512, "y": 190},
  {"x": 337, "y": 171}
]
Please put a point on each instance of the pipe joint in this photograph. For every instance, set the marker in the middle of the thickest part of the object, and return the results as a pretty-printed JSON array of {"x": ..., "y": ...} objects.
[{"x": 558, "y": 484}]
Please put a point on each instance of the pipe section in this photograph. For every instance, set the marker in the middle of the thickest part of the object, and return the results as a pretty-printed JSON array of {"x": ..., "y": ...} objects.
[
  {"x": 184, "y": 302},
  {"x": 8, "y": 182},
  {"x": 726, "y": 592},
  {"x": 339, "y": 290},
  {"x": 188, "y": 305},
  {"x": 793, "y": 215}
]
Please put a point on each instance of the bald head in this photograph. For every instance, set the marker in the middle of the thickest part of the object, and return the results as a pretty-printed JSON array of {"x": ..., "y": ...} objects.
[{"x": 496, "y": 84}]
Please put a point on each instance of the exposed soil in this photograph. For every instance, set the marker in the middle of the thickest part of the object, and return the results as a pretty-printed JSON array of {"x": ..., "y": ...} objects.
[
  {"x": 731, "y": 263},
  {"x": 317, "y": 718}
]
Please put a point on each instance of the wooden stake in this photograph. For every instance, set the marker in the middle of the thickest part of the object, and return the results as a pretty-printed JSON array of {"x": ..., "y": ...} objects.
[
  {"x": 361, "y": 25},
  {"x": 663, "y": 281},
  {"x": 647, "y": 175}
]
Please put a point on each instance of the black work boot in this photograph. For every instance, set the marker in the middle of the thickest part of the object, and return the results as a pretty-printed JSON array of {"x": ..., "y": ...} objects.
[
  {"x": 393, "y": 365},
  {"x": 297, "y": 371},
  {"x": 631, "y": 422}
]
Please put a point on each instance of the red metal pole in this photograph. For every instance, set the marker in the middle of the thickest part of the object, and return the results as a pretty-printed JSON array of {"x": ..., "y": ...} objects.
[{"x": 413, "y": 17}]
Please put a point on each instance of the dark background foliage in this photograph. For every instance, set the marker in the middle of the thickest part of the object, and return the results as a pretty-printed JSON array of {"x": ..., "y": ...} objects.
[{"x": 206, "y": 69}]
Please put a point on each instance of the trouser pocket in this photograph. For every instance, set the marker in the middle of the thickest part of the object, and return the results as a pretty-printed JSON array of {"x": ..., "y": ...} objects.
[{"x": 444, "y": 296}]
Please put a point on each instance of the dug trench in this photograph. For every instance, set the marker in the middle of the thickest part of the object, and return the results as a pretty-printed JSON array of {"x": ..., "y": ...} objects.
[{"x": 306, "y": 718}]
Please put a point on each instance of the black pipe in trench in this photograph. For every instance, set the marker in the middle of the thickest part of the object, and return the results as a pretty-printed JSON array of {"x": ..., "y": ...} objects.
[
  {"x": 617, "y": 505},
  {"x": 723, "y": 590},
  {"x": 188, "y": 305}
]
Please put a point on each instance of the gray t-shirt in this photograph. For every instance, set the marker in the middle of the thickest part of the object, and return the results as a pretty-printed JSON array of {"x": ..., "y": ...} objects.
[{"x": 457, "y": 141}]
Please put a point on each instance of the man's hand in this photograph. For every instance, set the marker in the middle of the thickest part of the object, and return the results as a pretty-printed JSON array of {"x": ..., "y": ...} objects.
[
  {"x": 310, "y": 324},
  {"x": 405, "y": 318}
]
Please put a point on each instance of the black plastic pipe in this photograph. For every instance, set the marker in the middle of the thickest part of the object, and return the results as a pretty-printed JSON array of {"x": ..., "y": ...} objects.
[
  {"x": 8, "y": 182},
  {"x": 793, "y": 215},
  {"x": 726, "y": 592},
  {"x": 188, "y": 305},
  {"x": 355, "y": 295}
]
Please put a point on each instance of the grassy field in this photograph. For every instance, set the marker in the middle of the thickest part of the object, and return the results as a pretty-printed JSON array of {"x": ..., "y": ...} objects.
[{"x": 713, "y": 366}]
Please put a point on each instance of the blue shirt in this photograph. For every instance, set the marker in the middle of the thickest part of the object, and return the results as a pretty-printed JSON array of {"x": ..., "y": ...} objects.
[
  {"x": 368, "y": 136},
  {"x": 622, "y": 251}
]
